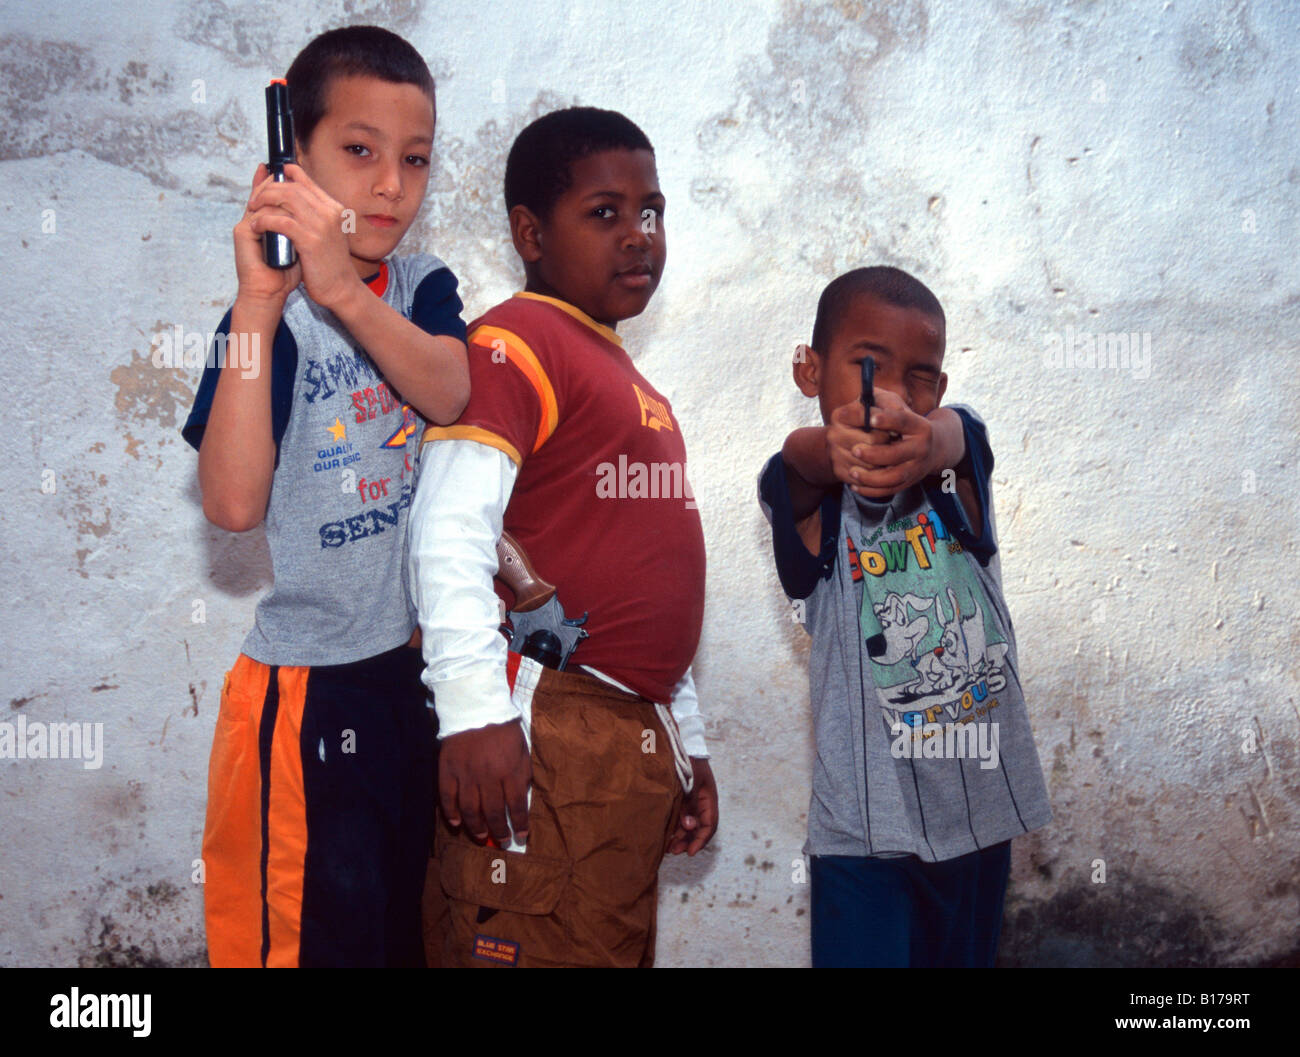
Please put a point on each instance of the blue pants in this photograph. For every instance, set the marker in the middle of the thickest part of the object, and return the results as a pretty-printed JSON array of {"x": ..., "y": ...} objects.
[{"x": 899, "y": 913}]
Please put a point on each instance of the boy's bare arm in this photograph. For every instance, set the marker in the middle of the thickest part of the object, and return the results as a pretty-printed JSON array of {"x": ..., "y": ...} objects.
[
  {"x": 429, "y": 370},
  {"x": 237, "y": 453},
  {"x": 952, "y": 447},
  {"x": 808, "y": 469},
  {"x": 808, "y": 476}
]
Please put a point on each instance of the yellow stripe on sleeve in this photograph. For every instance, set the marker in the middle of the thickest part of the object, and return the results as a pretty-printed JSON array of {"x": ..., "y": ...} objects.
[
  {"x": 475, "y": 433},
  {"x": 518, "y": 352}
]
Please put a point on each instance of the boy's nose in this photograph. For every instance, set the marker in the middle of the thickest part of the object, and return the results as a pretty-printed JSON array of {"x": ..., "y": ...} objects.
[
  {"x": 637, "y": 235},
  {"x": 388, "y": 181}
]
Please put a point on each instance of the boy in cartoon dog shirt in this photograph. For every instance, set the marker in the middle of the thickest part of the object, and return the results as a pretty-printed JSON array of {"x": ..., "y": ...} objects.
[{"x": 925, "y": 765}]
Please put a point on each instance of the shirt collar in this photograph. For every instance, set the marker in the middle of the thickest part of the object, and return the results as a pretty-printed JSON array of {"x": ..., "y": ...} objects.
[{"x": 605, "y": 332}]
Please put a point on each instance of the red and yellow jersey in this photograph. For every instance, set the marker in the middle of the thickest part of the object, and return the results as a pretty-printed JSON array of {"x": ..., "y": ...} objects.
[{"x": 601, "y": 502}]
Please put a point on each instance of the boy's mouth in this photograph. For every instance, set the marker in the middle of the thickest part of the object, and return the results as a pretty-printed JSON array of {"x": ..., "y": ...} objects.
[
  {"x": 381, "y": 220},
  {"x": 635, "y": 278}
]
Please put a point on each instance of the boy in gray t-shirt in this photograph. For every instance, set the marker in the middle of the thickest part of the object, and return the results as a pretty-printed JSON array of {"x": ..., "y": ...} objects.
[
  {"x": 926, "y": 765},
  {"x": 319, "y": 812}
]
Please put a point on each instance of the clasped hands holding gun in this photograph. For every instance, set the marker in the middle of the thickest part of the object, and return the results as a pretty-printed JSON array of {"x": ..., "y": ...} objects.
[
  {"x": 314, "y": 221},
  {"x": 900, "y": 448}
]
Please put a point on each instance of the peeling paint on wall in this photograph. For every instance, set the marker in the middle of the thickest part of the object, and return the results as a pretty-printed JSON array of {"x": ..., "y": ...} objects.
[{"x": 147, "y": 393}]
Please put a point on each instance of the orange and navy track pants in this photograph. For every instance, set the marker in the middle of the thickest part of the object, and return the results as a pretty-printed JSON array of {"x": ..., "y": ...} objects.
[{"x": 320, "y": 813}]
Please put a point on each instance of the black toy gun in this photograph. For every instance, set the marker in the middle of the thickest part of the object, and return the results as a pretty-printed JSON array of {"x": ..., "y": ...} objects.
[
  {"x": 868, "y": 391},
  {"x": 277, "y": 250}
]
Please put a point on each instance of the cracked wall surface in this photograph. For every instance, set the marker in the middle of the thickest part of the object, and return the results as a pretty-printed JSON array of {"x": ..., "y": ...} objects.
[{"x": 1051, "y": 171}]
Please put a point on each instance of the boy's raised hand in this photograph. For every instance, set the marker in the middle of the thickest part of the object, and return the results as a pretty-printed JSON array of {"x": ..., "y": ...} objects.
[
  {"x": 259, "y": 283},
  {"x": 483, "y": 775},
  {"x": 313, "y": 221}
]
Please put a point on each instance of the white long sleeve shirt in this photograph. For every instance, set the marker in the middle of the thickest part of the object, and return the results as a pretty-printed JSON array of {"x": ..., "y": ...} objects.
[{"x": 455, "y": 521}]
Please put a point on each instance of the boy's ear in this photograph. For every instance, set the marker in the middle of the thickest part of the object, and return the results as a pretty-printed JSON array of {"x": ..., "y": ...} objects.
[
  {"x": 526, "y": 232},
  {"x": 943, "y": 388},
  {"x": 808, "y": 370}
]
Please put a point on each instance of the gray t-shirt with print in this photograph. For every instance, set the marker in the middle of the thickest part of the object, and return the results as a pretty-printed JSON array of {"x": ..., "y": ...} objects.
[
  {"x": 923, "y": 741},
  {"x": 344, "y": 477}
]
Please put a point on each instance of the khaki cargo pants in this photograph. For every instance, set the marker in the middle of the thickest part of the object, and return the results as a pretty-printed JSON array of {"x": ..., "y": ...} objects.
[{"x": 607, "y": 789}]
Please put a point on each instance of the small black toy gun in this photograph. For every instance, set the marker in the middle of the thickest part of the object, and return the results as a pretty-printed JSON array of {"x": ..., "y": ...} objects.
[
  {"x": 868, "y": 391},
  {"x": 277, "y": 250}
]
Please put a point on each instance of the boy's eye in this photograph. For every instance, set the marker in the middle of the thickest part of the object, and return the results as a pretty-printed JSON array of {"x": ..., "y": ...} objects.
[
  {"x": 357, "y": 149},
  {"x": 603, "y": 212},
  {"x": 417, "y": 160}
]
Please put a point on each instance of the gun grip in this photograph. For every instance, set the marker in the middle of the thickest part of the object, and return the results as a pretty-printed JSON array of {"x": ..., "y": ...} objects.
[{"x": 517, "y": 572}]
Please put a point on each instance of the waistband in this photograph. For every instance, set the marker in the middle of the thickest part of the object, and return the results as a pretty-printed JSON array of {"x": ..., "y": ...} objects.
[
  {"x": 578, "y": 682},
  {"x": 397, "y": 658},
  {"x": 528, "y": 677}
]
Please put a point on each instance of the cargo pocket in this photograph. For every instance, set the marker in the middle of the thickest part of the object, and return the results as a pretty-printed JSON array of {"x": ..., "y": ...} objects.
[{"x": 517, "y": 882}]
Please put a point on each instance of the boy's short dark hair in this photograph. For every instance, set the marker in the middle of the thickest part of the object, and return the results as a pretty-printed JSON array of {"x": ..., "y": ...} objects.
[
  {"x": 892, "y": 285},
  {"x": 538, "y": 169},
  {"x": 350, "y": 51}
]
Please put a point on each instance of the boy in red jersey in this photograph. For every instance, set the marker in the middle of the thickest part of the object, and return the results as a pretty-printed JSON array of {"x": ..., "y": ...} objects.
[{"x": 568, "y": 448}]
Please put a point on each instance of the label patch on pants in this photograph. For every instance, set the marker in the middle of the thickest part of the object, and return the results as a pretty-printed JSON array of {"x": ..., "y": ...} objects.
[{"x": 491, "y": 949}]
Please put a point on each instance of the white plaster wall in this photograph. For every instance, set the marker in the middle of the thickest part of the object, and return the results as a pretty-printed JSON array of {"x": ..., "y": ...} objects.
[{"x": 1109, "y": 167}]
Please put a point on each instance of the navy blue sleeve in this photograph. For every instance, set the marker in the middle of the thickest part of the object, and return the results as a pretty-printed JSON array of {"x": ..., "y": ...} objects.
[
  {"x": 977, "y": 466},
  {"x": 798, "y": 570},
  {"x": 284, "y": 368},
  {"x": 436, "y": 307}
]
